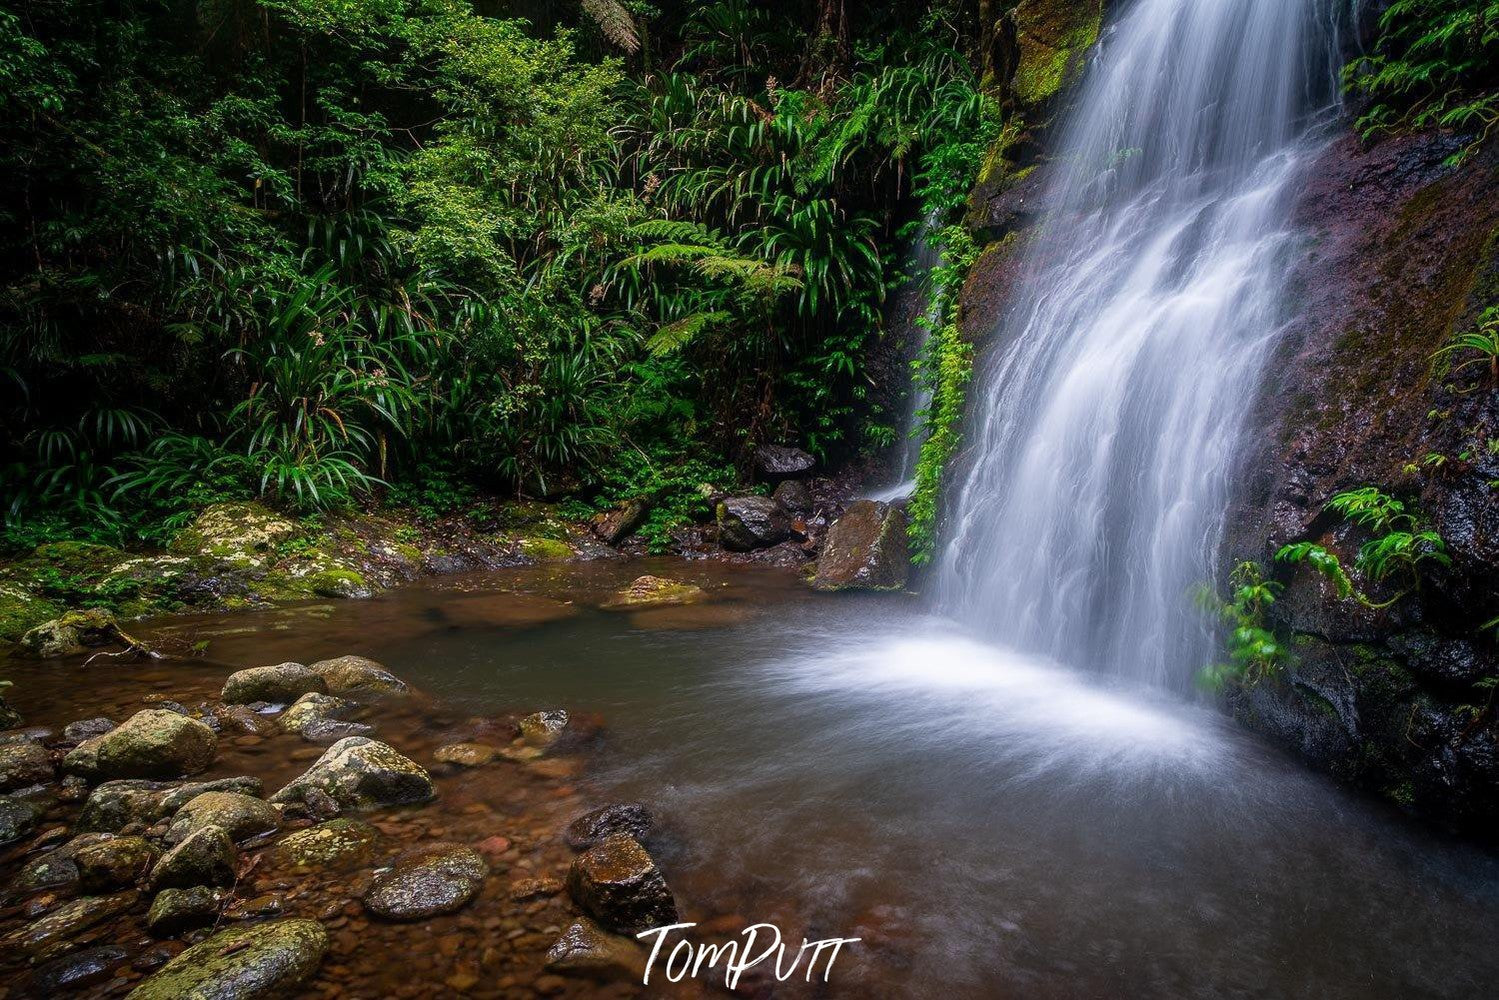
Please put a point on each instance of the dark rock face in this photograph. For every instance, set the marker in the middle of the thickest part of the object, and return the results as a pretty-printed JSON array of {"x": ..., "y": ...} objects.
[
  {"x": 618, "y": 884},
  {"x": 427, "y": 882},
  {"x": 629, "y": 818},
  {"x": 865, "y": 549},
  {"x": 17, "y": 818},
  {"x": 794, "y": 495},
  {"x": 1403, "y": 254},
  {"x": 751, "y": 522},
  {"x": 586, "y": 949},
  {"x": 82, "y": 968},
  {"x": 774, "y": 462}
]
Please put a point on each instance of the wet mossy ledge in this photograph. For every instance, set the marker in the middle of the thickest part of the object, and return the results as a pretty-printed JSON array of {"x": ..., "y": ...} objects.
[{"x": 245, "y": 555}]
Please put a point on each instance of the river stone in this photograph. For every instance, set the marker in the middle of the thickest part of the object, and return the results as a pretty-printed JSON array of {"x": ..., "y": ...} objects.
[
  {"x": 618, "y": 884},
  {"x": 249, "y": 962},
  {"x": 465, "y": 754},
  {"x": 653, "y": 592},
  {"x": 17, "y": 818},
  {"x": 52, "y": 933},
  {"x": 359, "y": 677},
  {"x": 9, "y": 717},
  {"x": 774, "y": 462},
  {"x": 586, "y": 949},
  {"x": 86, "y": 729},
  {"x": 865, "y": 549},
  {"x": 55, "y": 868},
  {"x": 152, "y": 743},
  {"x": 751, "y": 522},
  {"x": 241, "y": 719},
  {"x": 74, "y": 632},
  {"x": 278, "y": 684},
  {"x": 205, "y": 857},
  {"x": 318, "y": 718},
  {"x": 331, "y": 846},
  {"x": 113, "y": 863},
  {"x": 361, "y": 773},
  {"x": 629, "y": 818},
  {"x": 115, "y": 804},
  {"x": 243, "y": 817},
  {"x": 794, "y": 495},
  {"x": 24, "y": 763},
  {"x": 176, "y": 910},
  {"x": 427, "y": 882},
  {"x": 75, "y": 971},
  {"x": 614, "y": 526},
  {"x": 542, "y": 729}
]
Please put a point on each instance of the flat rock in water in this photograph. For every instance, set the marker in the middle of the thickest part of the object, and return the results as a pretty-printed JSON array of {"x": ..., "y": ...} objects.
[
  {"x": 618, "y": 884},
  {"x": 865, "y": 549},
  {"x": 279, "y": 683},
  {"x": 53, "y": 932},
  {"x": 653, "y": 592},
  {"x": 466, "y": 754},
  {"x": 426, "y": 882},
  {"x": 250, "y": 962},
  {"x": 331, "y": 846},
  {"x": 586, "y": 949},
  {"x": 152, "y": 743},
  {"x": 243, "y": 817},
  {"x": 24, "y": 763},
  {"x": 359, "y": 677},
  {"x": 75, "y": 971},
  {"x": 630, "y": 818},
  {"x": 361, "y": 773}
]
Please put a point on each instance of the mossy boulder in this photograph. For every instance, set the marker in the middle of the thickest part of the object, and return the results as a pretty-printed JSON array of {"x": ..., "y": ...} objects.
[
  {"x": 339, "y": 582},
  {"x": 205, "y": 857},
  {"x": 85, "y": 559},
  {"x": 250, "y": 962},
  {"x": 653, "y": 592},
  {"x": 176, "y": 910},
  {"x": 24, "y": 763},
  {"x": 280, "y": 683},
  {"x": 153, "y": 743},
  {"x": 243, "y": 534},
  {"x": 361, "y": 773},
  {"x": 21, "y": 611},
  {"x": 546, "y": 549},
  {"x": 113, "y": 863},
  {"x": 315, "y": 715},
  {"x": 114, "y": 804},
  {"x": 751, "y": 522},
  {"x": 243, "y": 817},
  {"x": 72, "y": 633},
  {"x": 17, "y": 818},
  {"x": 358, "y": 677}
]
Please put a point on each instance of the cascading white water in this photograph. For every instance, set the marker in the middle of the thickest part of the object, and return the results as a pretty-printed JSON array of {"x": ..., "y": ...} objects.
[{"x": 1107, "y": 428}]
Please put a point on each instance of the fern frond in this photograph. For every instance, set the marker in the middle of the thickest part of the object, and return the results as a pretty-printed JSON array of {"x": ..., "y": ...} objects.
[
  {"x": 615, "y": 22},
  {"x": 674, "y": 336}
]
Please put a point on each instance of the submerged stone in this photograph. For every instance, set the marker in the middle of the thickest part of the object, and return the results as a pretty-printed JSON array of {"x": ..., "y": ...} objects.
[
  {"x": 427, "y": 882},
  {"x": 653, "y": 592},
  {"x": 334, "y": 845}
]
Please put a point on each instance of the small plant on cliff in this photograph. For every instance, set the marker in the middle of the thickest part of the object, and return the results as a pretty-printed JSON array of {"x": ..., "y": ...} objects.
[
  {"x": 1400, "y": 546},
  {"x": 1254, "y": 653},
  {"x": 1482, "y": 341}
]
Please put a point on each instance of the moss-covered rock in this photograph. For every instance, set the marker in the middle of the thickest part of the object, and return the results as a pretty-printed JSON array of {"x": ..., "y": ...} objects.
[
  {"x": 78, "y": 558},
  {"x": 361, "y": 773},
  {"x": 426, "y": 882},
  {"x": 332, "y": 846},
  {"x": 153, "y": 743},
  {"x": 113, "y": 863},
  {"x": 546, "y": 549},
  {"x": 242, "y": 534},
  {"x": 243, "y": 817},
  {"x": 1052, "y": 38},
  {"x": 252, "y": 962},
  {"x": 176, "y": 910},
  {"x": 358, "y": 677},
  {"x": 865, "y": 549},
  {"x": 339, "y": 582},
  {"x": 72, "y": 632},
  {"x": 653, "y": 592},
  {"x": 205, "y": 857}
]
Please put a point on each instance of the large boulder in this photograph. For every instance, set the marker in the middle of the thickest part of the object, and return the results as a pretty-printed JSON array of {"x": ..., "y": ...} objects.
[
  {"x": 614, "y": 526},
  {"x": 281, "y": 683},
  {"x": 205, "y": 857},
  {"x": 243, "y": 817},
  {"x": 24, "y": 763},
  {"x": 774, "y": 462},
  {"x": 244, "y": 535},
  {"x": 865, "y": 549},
  {"x": 653, "y": 592},
  {"x": 72, "y": 633},
  {"x": 153, "y": 743},
  {"x": 618, "y": 884},
  {"x": 361, "y": 773},
  {"x": 426, "y": 882},
  {"x": 249, "y": 962},
  {"x": 752, "y": 522},
  {"x": 358, "y": 677}
]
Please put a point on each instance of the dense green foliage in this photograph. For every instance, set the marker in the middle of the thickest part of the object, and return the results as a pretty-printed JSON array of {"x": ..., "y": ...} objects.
[
  {"x": 1434, "y": 63},
  {"x": 1254, "y": 652},
  {"x": 305, "y": 249}
]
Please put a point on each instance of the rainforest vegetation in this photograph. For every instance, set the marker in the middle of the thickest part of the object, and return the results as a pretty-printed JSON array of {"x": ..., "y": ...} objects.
[{"x": 352, "y": 252}]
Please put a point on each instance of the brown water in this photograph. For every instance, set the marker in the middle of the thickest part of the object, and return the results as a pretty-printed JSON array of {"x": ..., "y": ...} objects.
[{"x": 840, "y": 766}]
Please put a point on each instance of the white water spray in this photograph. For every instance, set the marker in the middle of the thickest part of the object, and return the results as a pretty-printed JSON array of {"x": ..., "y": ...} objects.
[{"x": 1108, "y": 426}]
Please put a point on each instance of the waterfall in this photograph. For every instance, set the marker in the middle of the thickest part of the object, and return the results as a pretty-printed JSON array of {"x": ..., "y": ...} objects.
[{"x": 1107, "y": 424}]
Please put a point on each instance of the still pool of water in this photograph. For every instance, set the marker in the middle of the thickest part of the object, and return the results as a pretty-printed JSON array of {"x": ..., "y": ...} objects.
[{"x": 989, "y": 825}]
